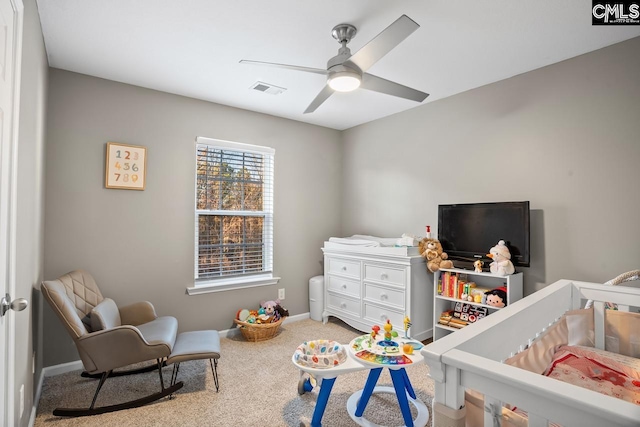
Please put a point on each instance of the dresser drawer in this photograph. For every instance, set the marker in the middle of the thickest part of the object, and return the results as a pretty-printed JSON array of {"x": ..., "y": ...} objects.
[
  {"x": 344, "y": 286},
  {"x": 385, "y": 274},
  {"x": 386, "y": 296},
  {"x": 344, "y": 267},
  {"x": 380, "y": 315},
  {"x": 344, "y": 304}
]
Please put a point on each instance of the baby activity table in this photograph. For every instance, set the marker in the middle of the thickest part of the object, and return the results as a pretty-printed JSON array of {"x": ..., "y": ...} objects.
[{"x": 325, "y": 360}]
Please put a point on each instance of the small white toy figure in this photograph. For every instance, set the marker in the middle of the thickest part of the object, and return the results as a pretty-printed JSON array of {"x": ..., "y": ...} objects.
[
  {"x": 501, "y": 257},
  {"x": 477, "y": 266}
]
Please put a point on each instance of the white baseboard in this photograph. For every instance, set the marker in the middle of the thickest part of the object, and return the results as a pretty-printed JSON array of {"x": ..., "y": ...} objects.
[
  {"x": 62, "y": 368},
  {"x": 50, "y": 371},
  {"x": 235, "y": 331},
  {"x": 36, "y": 400}
]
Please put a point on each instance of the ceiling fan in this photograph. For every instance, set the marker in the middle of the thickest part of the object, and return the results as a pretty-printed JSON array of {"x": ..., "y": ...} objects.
[{"x": 346, "y": 72}]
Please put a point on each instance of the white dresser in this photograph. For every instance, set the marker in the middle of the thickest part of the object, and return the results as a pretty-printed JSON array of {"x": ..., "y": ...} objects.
[{"x": 365, "y": 286}]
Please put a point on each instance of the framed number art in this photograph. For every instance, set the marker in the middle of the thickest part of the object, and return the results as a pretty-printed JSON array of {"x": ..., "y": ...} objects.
[{"x": 126, "y": 166}]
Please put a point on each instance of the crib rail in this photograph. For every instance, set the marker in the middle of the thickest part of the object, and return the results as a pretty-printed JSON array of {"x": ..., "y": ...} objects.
[
  {"x": 551, "y": 400},
  {"x": 471, "y": 358}
]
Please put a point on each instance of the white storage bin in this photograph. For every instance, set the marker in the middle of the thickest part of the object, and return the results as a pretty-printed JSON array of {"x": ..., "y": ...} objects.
[{"x": 316, "y": 301}]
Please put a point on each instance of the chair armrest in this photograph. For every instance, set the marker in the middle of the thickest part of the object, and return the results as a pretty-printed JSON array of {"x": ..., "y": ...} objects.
[
  {"x": 117, "y": 347},
  {"x": 137, "y": 313}
]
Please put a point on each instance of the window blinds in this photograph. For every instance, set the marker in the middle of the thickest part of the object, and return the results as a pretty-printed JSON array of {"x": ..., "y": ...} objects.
[{"x": 234, "y": 209}]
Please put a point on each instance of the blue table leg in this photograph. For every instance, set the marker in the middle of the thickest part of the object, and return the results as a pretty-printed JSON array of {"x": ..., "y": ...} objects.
[
  {"x": 372, "y": 379},
  {"x": 321, "y": 402},
  {"x": 400, "y": 384},
  {"x": 407, "y": 384}
]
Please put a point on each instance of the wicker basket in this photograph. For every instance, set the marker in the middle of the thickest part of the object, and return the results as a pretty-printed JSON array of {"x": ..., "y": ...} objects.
[{"x": 259, "y": 331}]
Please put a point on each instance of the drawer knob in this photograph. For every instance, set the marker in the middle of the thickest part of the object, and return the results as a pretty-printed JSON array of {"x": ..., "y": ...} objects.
[
  {"x": 383, "y": 317},
  {"x": 344, "y": 286},
  {"x": 384, "y": 276},
  {"x": 343, "y": 305},
  {"x": 384, "y": 296},
  {"x": 344, "y": 268}
]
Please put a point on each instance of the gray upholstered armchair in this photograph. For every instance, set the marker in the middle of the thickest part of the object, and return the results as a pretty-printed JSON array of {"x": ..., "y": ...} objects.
[{"x": 110, "y": 337}]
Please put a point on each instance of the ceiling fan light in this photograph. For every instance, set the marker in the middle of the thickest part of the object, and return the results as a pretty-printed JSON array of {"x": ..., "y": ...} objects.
[{"x": 344, "y": 81}]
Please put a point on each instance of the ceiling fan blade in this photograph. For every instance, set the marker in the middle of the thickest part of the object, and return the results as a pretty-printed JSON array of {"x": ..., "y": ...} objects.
[
  {"x": 378, "y": 84},
  {"x": 325, "y": 93},
  {"x": 290, "y": 67},
  {"x": 382, "y": 44}
]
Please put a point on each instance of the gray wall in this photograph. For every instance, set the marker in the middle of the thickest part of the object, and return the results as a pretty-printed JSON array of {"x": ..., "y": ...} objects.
[
  {"x": 564, "y": 137},
  {"x": 139, "y": 245},
  {"x": 30, "y": 216}
]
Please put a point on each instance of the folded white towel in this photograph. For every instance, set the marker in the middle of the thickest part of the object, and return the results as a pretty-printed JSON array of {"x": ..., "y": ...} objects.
[
  {"x": 354, "y": 242},
  {"x": 406, "y": 241},
  {"x": 383, "y": 241}
]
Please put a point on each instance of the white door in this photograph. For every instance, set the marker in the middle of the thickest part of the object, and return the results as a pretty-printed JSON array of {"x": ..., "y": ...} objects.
[{"x": 10, "y": 36}]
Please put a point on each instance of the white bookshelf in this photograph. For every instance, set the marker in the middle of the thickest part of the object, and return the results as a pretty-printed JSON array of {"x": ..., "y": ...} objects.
[{"x": 441, "y": 303}]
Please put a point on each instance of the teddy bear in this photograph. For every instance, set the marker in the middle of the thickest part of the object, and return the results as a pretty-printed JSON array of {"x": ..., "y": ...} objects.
[{"x": 431, "y": 249}]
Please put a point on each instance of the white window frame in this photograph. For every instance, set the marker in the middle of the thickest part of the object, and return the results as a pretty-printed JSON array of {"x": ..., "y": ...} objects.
[{"x": 240, "y": 281}]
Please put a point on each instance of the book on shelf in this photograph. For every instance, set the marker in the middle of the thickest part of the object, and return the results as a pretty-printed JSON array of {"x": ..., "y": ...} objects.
[
  {"x": 469, "y": 313},
  {"x": 462, "y": 315}
]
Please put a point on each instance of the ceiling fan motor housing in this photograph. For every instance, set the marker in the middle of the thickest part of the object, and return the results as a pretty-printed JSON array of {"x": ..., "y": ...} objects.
[{"x": 344, "y": 32}]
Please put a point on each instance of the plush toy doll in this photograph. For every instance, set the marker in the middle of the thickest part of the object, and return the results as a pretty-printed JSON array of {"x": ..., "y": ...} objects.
[
  {"x": 269, "y": 308},
  {"x": 273, "y": 308},
  {"x": 496, "y": 297},
  {"x": 477, "y": 266},
  {"x": 280, "y": 312},
  {"x": 501, "y": 257},
  {"x": 431, "y": 249}
]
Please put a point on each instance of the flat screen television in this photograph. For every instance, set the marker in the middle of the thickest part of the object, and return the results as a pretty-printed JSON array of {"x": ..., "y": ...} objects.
[{"x": 467, "y": 231}]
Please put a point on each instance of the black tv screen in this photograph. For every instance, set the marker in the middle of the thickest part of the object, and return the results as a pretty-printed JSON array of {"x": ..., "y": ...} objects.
[{"x": 468, "y": 231}]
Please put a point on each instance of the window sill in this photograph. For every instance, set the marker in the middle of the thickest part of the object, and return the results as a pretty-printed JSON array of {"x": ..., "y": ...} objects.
[{"x": 231, "y": 285}]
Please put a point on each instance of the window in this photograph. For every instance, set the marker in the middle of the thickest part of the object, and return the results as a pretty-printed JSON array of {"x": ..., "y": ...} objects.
[{"x": 233, "y": 214}]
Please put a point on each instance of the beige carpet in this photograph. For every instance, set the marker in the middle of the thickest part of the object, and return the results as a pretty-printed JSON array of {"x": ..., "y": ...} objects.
[{"x": 258, "y": 387}]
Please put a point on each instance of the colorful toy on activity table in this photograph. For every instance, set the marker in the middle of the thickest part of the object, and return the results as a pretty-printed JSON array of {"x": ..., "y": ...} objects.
[
  {"x": 384, "y": 350},
  {"x": 320, "y": 354}
]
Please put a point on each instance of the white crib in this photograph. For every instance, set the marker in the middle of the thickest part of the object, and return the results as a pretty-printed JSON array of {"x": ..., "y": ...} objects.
[{"x": 471, "y": 358}]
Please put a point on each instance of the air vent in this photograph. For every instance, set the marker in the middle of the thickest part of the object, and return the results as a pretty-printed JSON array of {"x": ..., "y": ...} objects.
[{"x": 268, "y": 88}]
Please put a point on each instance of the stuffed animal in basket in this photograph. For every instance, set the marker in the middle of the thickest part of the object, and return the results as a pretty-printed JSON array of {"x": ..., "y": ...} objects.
[
  {"x": 269, "y": 306},
  {"x": 501, "y": 257},
  {"x": 431, "y": 249},
  {"x": 274, "y": 310}
]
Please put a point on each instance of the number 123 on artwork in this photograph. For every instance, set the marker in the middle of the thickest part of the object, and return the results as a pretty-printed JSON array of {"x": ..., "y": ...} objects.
[{"x": 126, "y": 166}]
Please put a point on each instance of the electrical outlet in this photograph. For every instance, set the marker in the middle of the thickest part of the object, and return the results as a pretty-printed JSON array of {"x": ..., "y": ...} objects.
[
  {"x": 281, "y": 294},
  {"x": 21, "y": 400}
]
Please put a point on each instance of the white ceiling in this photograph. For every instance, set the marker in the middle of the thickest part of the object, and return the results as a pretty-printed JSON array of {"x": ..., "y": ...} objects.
[{"x": 192, "y": 47}]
